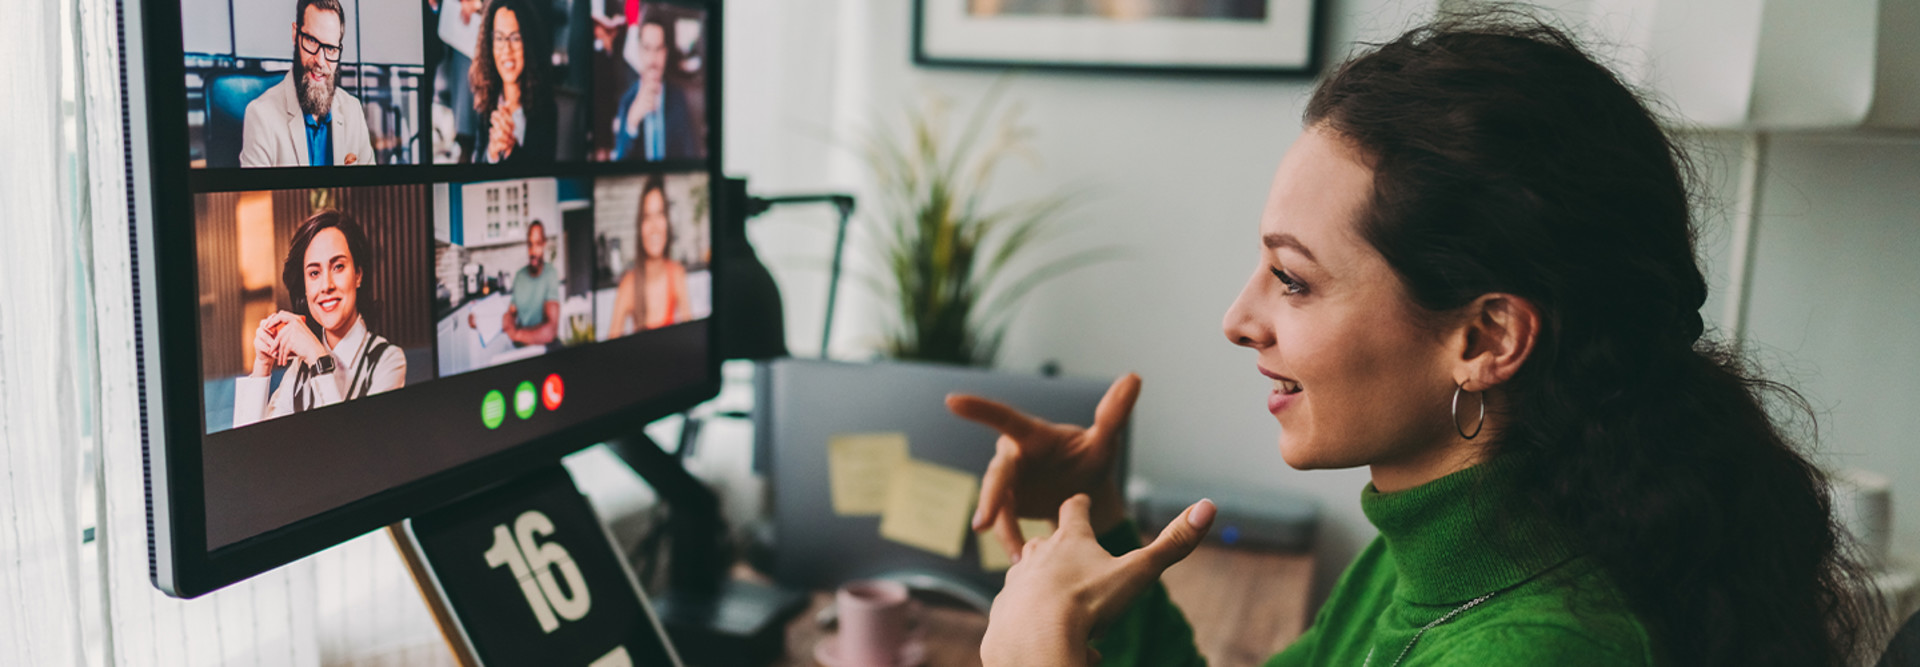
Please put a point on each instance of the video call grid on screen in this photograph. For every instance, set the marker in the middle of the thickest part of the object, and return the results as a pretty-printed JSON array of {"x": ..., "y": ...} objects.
[
  {"x": 557, "y": 230},
  {"x": 377, "y": 83}
]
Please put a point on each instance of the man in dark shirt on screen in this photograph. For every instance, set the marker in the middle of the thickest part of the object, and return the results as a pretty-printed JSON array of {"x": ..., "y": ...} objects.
[{"x": 653, "y": 122}]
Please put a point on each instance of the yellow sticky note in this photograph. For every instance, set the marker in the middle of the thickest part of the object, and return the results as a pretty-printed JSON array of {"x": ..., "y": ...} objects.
[
  {"x": 859, "y": 469},
  {"x": 928, "y": 507},
  {"x": 993, "y": 558}
]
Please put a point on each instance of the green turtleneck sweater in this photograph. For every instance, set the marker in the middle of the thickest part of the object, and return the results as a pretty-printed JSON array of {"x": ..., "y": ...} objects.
[{"x": 1441, "y": 545}]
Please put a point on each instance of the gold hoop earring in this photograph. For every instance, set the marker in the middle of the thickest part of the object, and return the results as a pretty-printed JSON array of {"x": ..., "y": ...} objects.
[{"x": 1477, "y": 424}]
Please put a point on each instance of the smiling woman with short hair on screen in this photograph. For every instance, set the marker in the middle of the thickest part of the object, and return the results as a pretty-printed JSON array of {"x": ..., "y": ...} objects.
[
  {"x": 323, "y": 342},
  {"x": 1477, "y": 278}
]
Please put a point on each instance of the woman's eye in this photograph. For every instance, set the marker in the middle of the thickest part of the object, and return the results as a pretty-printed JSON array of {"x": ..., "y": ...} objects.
[{"x": 1290, "y": 284}]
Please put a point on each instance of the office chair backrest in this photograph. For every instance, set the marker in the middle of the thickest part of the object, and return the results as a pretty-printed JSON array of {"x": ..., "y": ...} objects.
[
  {"x": 1904, "y": 650},
  {"x": 227, "y": 99},
  {"x": 569, "y": 125}
]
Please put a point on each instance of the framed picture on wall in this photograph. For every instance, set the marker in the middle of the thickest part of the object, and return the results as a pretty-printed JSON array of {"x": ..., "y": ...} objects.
[{"x": 1273, "y": 37}]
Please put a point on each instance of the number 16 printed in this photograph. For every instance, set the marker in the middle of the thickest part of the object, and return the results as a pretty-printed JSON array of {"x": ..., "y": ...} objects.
[{"x": 533, "y": 565}]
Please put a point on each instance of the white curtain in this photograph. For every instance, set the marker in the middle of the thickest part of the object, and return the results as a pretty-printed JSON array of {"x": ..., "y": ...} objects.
[
  {"x": 40, "y": 436},
  {"x": 68, "y": 397},
  {"x": 369, "y": 612}
]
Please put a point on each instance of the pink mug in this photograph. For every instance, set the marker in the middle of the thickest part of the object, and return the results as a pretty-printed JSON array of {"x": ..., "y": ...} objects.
[{"x": 876, "y": 622}]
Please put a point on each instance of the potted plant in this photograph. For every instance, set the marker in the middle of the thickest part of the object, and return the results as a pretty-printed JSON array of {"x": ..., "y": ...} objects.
[{"x": 957, "y": 266}]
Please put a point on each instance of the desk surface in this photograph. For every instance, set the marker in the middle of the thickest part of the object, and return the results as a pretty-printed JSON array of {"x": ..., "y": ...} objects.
[{"x": 1244, "y": 605}]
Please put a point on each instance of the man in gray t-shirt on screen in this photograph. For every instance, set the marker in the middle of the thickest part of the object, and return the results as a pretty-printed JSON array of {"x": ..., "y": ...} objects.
[{"x": 533, "y": 316}]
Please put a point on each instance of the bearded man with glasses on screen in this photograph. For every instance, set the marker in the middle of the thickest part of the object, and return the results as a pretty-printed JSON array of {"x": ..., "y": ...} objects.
[{"x": 306, "y": 120}]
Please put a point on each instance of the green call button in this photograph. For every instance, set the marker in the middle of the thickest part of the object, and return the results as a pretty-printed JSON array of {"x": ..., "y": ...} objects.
[
  {"x": 525, "y": 399},
  {"x": 493, "y": 409}
]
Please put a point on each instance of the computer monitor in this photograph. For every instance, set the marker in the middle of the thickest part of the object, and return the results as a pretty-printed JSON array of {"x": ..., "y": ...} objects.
[
  {"x": 388, "y": 253},
  {"x": 802, "y": 405}
]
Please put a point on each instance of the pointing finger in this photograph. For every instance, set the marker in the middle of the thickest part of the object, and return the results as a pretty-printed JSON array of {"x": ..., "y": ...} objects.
[
  {"x": 1007, "y": 531},
  {"x": 1179, "y": 538},
  {"x": 1073, "y": 516},
  {"x": 999, "y": 416},
  {"x": 1116, "y": 405},
  {"x": 994, "y": 485}
]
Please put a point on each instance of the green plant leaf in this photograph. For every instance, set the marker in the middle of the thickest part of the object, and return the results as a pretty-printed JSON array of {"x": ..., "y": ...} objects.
[
  {"x": 1004, "y": 302},
  {"x": 946, "y": 258}
]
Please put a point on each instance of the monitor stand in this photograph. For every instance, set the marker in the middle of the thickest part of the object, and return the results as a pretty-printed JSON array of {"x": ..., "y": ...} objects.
[
  {"x": 713, "y": 617},
  {"x": 524, "y": 574}
]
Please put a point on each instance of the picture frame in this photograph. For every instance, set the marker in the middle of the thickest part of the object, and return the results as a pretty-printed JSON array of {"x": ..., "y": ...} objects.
[{"x": 1201, "y": 37}]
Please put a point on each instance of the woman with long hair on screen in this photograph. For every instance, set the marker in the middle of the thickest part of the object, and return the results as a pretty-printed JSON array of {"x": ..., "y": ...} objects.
[
  {"x": 653, "y": 292},
  {"x": 517, "y": 118},
  {"x": 323, "y": 341},
  {"x": 1477, "y": 277}
]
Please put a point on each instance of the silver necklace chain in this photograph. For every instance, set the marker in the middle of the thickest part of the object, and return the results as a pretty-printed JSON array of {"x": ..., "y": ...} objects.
[{"x": 1423, "y": 629}]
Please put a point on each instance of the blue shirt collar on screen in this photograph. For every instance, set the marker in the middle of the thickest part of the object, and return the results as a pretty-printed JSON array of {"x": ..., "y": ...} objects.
[
  {"x": 656, "y": 127},
  {"x": 319, "y": 140}
]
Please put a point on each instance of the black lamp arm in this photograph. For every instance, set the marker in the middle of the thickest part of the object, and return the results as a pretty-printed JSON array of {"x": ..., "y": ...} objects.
[{"x": 844, "y": 204}]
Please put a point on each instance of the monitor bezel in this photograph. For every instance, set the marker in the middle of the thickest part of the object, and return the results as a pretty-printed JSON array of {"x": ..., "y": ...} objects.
[{"x": 166, "y": 327}]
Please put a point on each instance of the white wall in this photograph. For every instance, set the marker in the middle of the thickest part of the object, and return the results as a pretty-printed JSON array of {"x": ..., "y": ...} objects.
[
  {"x": 1179, "y": 168},
  {"x": 1836, "y": 309}
]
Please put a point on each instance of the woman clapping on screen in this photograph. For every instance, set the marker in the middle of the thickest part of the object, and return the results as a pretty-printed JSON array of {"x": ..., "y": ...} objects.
[{"x": 511, "y": 92}]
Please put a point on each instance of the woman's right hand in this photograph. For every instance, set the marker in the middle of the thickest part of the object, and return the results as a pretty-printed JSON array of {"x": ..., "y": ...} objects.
[
  {"x": 1037, "y": 464},
  {"x": 500, "y": 143},
  {"x": 606, "y": 30},
  {"x": 642, "y": 104}
]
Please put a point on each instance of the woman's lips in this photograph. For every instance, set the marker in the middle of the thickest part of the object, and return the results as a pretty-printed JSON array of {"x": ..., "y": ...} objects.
[
  {"x": 1278, "y": 401},
  {"x": 1285, "y": 391},
  {"x": 328, "y": 304}
]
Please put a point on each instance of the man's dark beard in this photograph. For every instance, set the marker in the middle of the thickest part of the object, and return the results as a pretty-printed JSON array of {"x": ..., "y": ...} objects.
[{"x": 314, "y": 102}]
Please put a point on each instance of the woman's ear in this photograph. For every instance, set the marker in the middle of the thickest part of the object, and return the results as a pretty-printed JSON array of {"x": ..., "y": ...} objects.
[{"x": 1496, "y": 336}]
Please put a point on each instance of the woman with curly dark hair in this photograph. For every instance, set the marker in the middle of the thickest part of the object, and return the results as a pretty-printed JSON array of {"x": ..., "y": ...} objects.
[
  {"x": 517, "y": 117},
  {"x": 1477, "y": 277}
]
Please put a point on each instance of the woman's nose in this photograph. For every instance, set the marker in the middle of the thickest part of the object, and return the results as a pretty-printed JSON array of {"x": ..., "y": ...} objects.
[{"x": 1242, "y": 323}]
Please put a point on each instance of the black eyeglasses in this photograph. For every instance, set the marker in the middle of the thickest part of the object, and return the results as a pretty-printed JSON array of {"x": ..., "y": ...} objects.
[
  {"x": 503, "y": 40},
  {"x": 313, "y": 46}
]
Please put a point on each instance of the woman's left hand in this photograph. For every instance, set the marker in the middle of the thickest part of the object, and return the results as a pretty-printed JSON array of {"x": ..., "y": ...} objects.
[
  {"x": 1066, "y": 587},
  {"x": 295, "y": 338}
]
